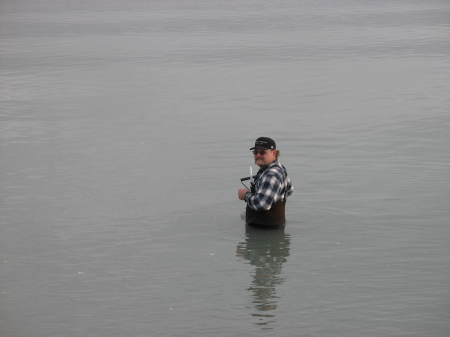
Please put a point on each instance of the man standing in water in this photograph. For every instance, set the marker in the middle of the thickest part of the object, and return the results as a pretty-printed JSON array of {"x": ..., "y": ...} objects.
[{"x": 267, "y": 196}]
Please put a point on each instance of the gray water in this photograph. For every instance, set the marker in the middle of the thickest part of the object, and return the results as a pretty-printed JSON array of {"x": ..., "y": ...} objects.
[{"x": 124, "y": 130}]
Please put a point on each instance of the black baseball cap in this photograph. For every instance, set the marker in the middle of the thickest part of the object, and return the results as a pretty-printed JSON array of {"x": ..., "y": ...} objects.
[{"x": 264, "y": 143}]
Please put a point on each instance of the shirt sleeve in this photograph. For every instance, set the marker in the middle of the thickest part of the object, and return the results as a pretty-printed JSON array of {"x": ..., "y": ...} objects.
[
  {"x": 267, "y": 193},
  {"x": 289, "y": 187}
]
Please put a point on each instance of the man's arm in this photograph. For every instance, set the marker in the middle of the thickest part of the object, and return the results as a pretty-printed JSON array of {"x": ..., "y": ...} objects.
[
  {"x": 266, "y": 195},
  {"x": 289, "y": 187}
]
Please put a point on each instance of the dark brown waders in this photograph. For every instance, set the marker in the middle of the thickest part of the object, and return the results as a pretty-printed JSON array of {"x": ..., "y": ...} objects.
[{"x": 273, "y": 218}]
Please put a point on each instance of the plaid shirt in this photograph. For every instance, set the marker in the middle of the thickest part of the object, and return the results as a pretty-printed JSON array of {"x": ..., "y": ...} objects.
[{"x": 271, "y": 184}]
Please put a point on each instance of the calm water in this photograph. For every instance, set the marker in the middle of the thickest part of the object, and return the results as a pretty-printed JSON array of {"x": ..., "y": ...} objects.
[{"x": 124, "y": 130}]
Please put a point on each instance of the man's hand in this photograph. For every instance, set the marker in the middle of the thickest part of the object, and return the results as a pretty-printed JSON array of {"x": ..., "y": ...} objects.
[{"x": 242, "y": 192}]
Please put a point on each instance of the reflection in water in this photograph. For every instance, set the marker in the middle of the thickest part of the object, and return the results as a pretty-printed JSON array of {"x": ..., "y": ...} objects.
[{"x": 267, "y": 250}]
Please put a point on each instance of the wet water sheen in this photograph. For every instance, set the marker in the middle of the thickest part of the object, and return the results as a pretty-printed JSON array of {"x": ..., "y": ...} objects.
[{"x": 124, "y": 130}]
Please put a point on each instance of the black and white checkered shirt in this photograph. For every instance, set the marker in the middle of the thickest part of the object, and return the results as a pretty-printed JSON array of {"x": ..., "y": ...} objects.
[{"x": 271, "y": 184}]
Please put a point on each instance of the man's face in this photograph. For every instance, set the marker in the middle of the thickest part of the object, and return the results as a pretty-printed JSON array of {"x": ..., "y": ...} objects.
[{"x": 264, "y": 157}]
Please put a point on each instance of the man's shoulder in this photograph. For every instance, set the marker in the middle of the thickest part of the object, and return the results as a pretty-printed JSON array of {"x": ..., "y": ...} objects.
[{"x": 276, "y": 169}]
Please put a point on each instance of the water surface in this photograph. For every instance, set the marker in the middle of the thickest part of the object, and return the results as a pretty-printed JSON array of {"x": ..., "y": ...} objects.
[{"x": 124, "y": 130}]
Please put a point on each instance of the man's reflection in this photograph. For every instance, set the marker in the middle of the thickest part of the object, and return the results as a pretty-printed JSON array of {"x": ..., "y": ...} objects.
[{"x": 267, "y": 250}]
